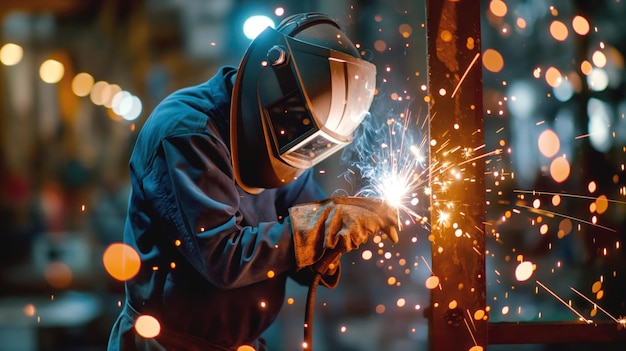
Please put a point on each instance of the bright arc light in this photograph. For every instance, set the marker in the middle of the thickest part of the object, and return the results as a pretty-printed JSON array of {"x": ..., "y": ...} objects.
[
  {"x": 254, "y": 25},
  {"x": 393, "y": 190}
]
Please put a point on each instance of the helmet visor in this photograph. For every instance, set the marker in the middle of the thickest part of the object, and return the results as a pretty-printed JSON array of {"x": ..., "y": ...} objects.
[{"x": 330, "y": 95}]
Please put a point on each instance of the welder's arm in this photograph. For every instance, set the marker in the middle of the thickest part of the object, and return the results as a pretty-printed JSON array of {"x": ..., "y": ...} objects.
[
  {"x": 193, "y": 189},
  {"x": 339, "y": 224}
]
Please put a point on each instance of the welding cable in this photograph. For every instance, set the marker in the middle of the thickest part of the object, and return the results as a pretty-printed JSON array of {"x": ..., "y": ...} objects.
[{"x": 320, "y": 269}]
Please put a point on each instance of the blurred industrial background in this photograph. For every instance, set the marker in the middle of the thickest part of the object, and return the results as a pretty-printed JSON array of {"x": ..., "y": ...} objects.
[{"x": 79, "y": 77}]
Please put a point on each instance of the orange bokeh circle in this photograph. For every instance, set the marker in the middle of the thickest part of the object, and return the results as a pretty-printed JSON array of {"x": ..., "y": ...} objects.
[{"x": 121, "y": 261}]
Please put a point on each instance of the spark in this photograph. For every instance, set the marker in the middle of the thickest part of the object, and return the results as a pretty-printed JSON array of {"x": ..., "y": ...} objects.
[
  {"x": 444, "y": 217},
  {"x": 582, "y": 318},
  {"x": 595, "y": 305},
  {"x": 471, "y": 319},
  {"x": 552, "y": 213},
  {"x": 465, "y": 74},
  {"x": 470, "y": 331},
  {"x": 427, "y": 265},
  {"x": 487, "y": 154},
  {"x": 582, "y": 136},
  {"x": 538, "y": 193},
  {"x": 393, "y": 166}
]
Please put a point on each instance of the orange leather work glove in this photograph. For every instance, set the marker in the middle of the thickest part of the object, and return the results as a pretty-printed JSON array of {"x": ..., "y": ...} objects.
[{"x": 339, "y": 223}]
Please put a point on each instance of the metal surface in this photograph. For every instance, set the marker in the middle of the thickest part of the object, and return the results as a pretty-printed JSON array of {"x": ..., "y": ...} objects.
[
  {"x": 556, "y": 333},
  {"x": 456, "y": 317}
]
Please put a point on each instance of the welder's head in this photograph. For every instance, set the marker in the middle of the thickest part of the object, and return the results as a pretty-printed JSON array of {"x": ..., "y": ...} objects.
[{"x": 300, "y": 92}]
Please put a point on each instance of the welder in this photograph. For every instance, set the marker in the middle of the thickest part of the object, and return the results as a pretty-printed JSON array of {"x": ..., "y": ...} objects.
[{"x": 223, "y": 205}]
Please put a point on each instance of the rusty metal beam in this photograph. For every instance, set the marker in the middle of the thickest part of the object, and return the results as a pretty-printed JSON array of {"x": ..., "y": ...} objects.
[
  {"x": 458, "y": 195},
  {"x": 556, "y": 333}
]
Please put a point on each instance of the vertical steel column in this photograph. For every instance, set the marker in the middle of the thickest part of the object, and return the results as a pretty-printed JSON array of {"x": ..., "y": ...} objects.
[{"x": 457, "y": 318}]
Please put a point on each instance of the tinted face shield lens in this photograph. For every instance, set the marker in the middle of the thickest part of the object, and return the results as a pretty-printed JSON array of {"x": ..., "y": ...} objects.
[
  {"x": 291, "y": 122},
  {"x": 299, "y": 141},
  {"x": 323, "y": 95}
]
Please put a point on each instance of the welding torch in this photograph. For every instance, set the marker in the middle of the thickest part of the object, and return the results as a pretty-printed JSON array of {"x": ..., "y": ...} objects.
[{"x": 360, "y": 218}]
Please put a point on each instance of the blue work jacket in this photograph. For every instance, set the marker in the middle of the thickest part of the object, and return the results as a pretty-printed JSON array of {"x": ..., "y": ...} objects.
[{"x": 214, "y": 259}]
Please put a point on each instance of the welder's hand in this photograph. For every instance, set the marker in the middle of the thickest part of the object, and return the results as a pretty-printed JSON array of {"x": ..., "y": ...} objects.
[
  {"x": 328, "y": 267},
  {"x": 339, "y": 223}
]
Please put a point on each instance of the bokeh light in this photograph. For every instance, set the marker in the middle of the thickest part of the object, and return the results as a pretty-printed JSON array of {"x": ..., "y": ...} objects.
[
  {"x": 30, "y": 310},
  {"x": 11, "y": 54},
  {"x": 524, "y": 271},
  {"x": 147, "y": 326},
  {"x": 598, "y": 79},
  {"x": 559, "y": 169},
  {"x": 599, "y": 59},
  {"x": 58, "y": 275},
  {"x": 380, "y": 45},
  {"x": 111, "y": 91},
  {"x": 405, "y": 30},
  {"x": 558, "y": 30},
  {"x": 580, "y": 25},
  {"x": 121, "y": 103},
  {"x": 254, "y": 25},
  {"x": 99, "y": 92},
  {"x": 498, "y": 8},
  {"x": 135, "y": 109},
  {"x": 564, "y": 91},
  {"x": 549, "y": 143},
  {"x": 586, "y": 67},
  {"x": 598, "y": 125},
  {"x": 51, "y": 71},
  {"x": 279, "y": 11},
  {"x": 553, "y": 77},
  {"x": 82, "y": 84},
  {"x": 597, "y": 286},
  {"x": 493, "y": 61},
  {"x": 565, "y": 227},
  {"x": 556, "y": 200},
  {"x": 432, "y": 282},
  {"x": 366, "y": 255},
  {"x": 602, "y": 204},
  {"x": 592, "y": 187},
  {"x": 479, "y": 314},
  {"x": 121, "y": 261}
]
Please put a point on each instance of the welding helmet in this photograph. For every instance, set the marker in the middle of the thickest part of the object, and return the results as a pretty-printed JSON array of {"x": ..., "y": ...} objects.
[{"x": 300, "y": 91}]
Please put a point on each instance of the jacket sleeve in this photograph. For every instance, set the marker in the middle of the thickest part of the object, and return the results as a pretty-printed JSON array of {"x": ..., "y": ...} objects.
[
  {"x": 304, "y": 189},
  {"x": 192, "y": 188}
]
